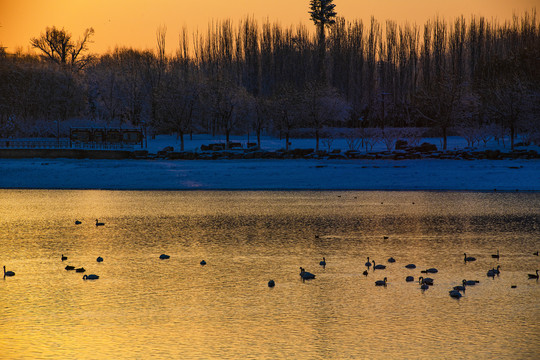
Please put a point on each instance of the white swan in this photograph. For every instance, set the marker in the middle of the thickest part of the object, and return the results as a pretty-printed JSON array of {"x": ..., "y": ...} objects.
[
  {"x": 380, "y": 282},
  {"x": 8, "y": 273}
]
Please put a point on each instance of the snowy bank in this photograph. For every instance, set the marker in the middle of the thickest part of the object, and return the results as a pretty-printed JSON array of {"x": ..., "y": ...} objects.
[{"x": 287, "y": 174}]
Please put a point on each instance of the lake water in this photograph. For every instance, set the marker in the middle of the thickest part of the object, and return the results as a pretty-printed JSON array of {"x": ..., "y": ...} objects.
[{"x": 142, "y": 307}]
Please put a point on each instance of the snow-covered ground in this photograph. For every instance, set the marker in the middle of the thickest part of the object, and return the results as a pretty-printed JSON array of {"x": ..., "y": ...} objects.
[
  {"x": 301, "y": 174},
  {"x": 272, "y": 143}
]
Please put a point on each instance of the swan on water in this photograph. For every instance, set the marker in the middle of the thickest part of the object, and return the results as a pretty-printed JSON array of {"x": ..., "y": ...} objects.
[
  {"x": 533, "y": 276},
  {"x": 99, "y": 223},
  {"x": 368, "y": 263},
  {"x": 469, "y": 282},
  {"x": 79, "y": 270},
  {"x": 427, "y": 281},
  {"x": 306, "y": 275},
  {"x": 468, "y": 258},
  {"x": 164, "y": 257},
  {"x": 77, "y": 222},
  {"x": 459, "y": 288},
  {"x": 69, "y": 267},
  {"x": 8, "y": 273},
  {"x": 493, "y": 272},
  {"x": 203, "y": 262},
  {"x": 391, "y": 260},
  {"x": 99, "y": 259},
  {"x": 455, "y": 294},
  {"x": 90, "y": 277},
  {"x": 271, "y": 283},
  {"x": 380, "y": 267},
  {"x": 323, "y": 262},
  {"x": 409, "y": 278},
  {"x": 495, "y": 256},
  {"x": 410, "y": 266},
  {"x": 365, "y": 273},
  {"x": 380, "y": 282},
  {"x": 63, "y": 257}
]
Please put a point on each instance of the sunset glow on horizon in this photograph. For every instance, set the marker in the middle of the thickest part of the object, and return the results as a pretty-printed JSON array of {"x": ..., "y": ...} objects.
[{"x": 134, "y": 23}]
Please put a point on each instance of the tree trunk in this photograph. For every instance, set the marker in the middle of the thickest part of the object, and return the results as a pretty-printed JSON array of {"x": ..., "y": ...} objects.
[
  {"x": 445, "y": 137},
  {"x": 512, "y": 134},
  {"x": 181, "y": 134},
  {"x": 322, "y": 54},
  {"x": 259, "y": 138},
  {"x": 287, "y": 141},
  {"x": 316, "y": 139}
]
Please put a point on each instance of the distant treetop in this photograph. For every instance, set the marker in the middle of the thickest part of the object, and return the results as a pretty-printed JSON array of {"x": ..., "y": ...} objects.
[{"x": 322, "y": 12}]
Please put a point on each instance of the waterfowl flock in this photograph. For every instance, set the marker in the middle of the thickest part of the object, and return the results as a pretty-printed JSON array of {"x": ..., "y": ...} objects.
[{"x": 424, "y": 282}]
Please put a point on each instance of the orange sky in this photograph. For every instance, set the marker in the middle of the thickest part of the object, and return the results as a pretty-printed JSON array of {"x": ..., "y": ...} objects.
[{"x": 133, "y": 23}]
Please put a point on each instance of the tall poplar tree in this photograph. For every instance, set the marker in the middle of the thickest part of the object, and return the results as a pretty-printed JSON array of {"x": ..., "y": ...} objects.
[{"x": 323, "y": 15}]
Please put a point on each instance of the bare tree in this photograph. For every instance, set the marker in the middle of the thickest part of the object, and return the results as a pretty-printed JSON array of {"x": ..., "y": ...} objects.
[
  {"x": 507, "y": 102},
  {"x": 58, "y": 46},
  {"x": 177, "y": 103},
  {"x": 322, "y": 106},
  {"x": 439, "y": 105},
  {"x": 286, "y": 107},
  {"x": 263, "y": 115}
]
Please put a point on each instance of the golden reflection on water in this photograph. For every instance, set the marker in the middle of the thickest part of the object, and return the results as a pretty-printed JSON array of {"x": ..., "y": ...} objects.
[{"x": 143, "y": 307}]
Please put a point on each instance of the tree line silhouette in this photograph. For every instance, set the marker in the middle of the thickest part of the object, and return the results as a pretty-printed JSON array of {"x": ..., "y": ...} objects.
[{"x": 465, "y": 76}]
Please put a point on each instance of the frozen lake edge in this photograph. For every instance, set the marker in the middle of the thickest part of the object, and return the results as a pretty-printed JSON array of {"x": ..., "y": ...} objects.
[{"x": 297, "y": 174}]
